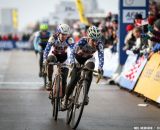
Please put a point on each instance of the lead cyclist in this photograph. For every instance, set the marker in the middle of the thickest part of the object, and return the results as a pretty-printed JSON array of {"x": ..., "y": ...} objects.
[{"x": 83, "y": 54}]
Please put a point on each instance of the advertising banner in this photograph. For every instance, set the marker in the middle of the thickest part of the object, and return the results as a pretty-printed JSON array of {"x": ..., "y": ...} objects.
[
  {"x": 6, "y": 45},
  {"x": 149, "y": 82},
  {"x": 129, "y": 77}
]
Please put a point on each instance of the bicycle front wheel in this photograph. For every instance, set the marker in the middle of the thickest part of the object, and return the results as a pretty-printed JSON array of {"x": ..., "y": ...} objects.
[
  {"x": 79, "y": 102},
  {"x": 56, "y": 97},
  {"x": 69, "y": 113}
]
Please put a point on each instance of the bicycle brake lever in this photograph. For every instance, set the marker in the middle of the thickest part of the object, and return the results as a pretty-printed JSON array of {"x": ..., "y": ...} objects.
[{"x": 99, "y": 77}]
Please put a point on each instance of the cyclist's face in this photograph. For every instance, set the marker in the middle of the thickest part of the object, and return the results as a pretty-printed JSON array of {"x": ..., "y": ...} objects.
[
  {"x": 92, "y": 42},
  {"x": 63, "y": 37}
]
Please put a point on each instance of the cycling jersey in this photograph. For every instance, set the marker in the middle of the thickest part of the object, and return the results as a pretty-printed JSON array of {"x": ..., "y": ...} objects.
[
  {"x": 156, "y": 47},
  {"x": 41, "y": 39},
  {"x": 84, "y": 50},
  {"x": 55, "y": 46}
]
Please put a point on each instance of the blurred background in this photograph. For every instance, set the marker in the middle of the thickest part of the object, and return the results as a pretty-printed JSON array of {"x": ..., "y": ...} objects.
[{"x": 24, "y": 16}]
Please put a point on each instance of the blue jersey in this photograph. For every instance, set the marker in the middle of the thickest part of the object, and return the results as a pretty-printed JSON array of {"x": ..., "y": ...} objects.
[
  {"x": 156, "y": 47},
  {"x": 41, "y": 39},
  {"x": 83, "y": 49}
]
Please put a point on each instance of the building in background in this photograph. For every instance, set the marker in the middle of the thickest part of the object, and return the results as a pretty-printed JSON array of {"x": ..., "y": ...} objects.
[
  {"x": 66, "y": 10},
  {"x": 8, "y": 20}
]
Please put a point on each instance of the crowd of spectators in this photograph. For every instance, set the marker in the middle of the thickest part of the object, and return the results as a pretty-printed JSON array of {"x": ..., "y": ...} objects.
[
  {"x": 15, "y": 37},
  {"x": 142, "y": 34},
  {"x": 108, "y": 27}
]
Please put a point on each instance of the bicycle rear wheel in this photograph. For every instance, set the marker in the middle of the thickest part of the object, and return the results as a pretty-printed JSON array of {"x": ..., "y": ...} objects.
[
  {"x": 56, "y": 98},
  {"x": 44, "y": 76},
  {"x": 45, "y": 80},
  {"x": 79, "y": 102}
]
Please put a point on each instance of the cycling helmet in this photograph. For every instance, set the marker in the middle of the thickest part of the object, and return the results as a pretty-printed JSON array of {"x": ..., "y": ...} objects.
[
  {"x": 94, "y": 33},
  {"x": 43, "y": 27},
  {"x": 63, "y": 28}
]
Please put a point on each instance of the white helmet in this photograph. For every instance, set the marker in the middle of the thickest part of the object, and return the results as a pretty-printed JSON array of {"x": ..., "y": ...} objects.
[
  {"x": 94, "y": 33},
  {"x": 63, "y": 28}
]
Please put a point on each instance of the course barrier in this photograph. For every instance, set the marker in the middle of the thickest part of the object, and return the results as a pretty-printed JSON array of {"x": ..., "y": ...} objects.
[
  {"x": 137, "y": 74},
  {"x": 131, "y": 71},
  {"x": 9, "y": 45},
  {"x": 149, "y": 81},
  {"x": 6, "y": 45}
]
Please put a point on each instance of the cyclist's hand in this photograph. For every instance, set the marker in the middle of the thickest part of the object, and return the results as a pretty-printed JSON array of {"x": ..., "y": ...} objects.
[
  {"x": 45, "y": 62},
  {"x": 73, "y": 65},
  {"x": 100, "y": 71}
]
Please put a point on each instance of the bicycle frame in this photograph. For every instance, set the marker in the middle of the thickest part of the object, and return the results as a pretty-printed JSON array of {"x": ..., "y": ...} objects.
[
  {"x": 75, "y": 104},
  {"x": 56, "y": 90}
]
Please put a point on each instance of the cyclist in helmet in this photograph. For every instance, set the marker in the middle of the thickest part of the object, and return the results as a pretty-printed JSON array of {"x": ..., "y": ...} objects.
[
  {"x": 40, "y": 42},
  {"x": 82, "y": 54},
  {"x": 56, "y": 51}
]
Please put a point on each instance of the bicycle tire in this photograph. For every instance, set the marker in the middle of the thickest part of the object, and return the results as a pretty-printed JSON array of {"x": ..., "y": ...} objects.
[
  {"x": 82, "y": 89},
  {"x": 45, "y": 80},
  {"x": 57, "y": 98},
  {"x": 69, "y": 114},
  {"x": 53, "y": 100}
]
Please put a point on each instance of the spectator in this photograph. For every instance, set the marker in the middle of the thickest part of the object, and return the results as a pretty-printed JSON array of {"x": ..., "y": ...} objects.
[
  {"x": 10, "y": 37},
  {"x": 130, "y": 38},
  {"x": 137, "y": 34},
  {"x": 5, "y": 38},
  {"x": 156, "y": 47},
  {"x": 15, "y": 37},
  {"x": 138, "y": 19}
]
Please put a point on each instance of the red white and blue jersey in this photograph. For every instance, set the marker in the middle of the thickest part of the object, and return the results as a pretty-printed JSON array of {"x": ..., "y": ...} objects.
[
  {"x": 55, "y": 46},
  {"x": 83, "y": 49}
]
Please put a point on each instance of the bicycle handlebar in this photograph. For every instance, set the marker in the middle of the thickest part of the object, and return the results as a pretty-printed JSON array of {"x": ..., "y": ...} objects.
[
  {"x": 58, "y": 64},
  {"x": 95, "y": 71},
  {"x": 82, "y": 67}
]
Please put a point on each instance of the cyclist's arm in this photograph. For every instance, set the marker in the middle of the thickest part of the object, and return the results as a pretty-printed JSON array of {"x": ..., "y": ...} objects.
[
  {"x": 48, "y": 47},
  {"x": 70, "y": 41},
  {"x": 81, "y": 43},
  {"x": 72, "y": 55},
  {"x": 36, "y": 41},
  {"x": 100, "y": 55}
]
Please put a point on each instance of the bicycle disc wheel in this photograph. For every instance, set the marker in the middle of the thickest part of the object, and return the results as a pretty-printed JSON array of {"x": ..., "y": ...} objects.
[
  {"x": 78, "y": 107},
  {"x": 57, "y": 98}
]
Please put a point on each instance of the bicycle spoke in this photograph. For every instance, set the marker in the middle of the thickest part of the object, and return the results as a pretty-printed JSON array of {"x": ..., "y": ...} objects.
[{"x": 78, "y": 107}]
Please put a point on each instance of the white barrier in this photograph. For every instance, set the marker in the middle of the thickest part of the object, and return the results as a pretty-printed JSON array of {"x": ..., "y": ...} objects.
[
  {"x": 130, "y": 75},
  {"x": 131, "y": 59},
  {"x": 110, "y": 62}
]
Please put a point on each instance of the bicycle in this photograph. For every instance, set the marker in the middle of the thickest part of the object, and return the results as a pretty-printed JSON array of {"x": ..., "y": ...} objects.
[
  {"x": 56, "y": 92},
  {"x": 44, "y": 74},
  {"x": 80, "y": 92}
]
